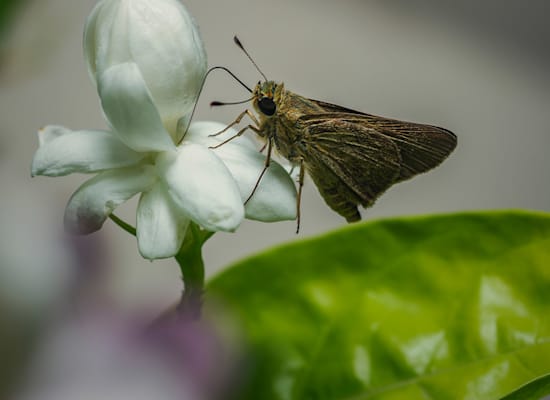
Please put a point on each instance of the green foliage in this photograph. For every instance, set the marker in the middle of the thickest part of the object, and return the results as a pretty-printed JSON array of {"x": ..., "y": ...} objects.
[
  {"x": 7, "y": 11},
  {"x": 532, "y": 390},
  {"x": 436, "y": 307}
]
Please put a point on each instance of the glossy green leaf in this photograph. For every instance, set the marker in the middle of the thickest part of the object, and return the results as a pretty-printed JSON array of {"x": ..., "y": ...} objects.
[
  {"x": 438, "y": 307},
  {"x": 532, "y": 390}
]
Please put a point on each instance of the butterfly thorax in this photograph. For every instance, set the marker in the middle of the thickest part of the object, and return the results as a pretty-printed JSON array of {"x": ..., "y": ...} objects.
[{"x": 279, "y": 111}]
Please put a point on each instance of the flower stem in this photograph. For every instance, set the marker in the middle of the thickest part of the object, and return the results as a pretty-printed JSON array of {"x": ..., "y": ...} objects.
[
  {"x": 189, "y": 258},
  {"x": 124, "y": 225},
  {"x": 191, "y": 264}
]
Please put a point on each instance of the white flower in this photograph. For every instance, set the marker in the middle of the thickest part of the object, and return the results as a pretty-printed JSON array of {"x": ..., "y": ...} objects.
[{"x": 178, "y": 184}]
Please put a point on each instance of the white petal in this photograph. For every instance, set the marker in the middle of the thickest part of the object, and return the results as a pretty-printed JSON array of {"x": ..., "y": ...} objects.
[
  {"x": 201, "y": 133},
  {"x": 63, "y": 152},
  {"x": 166, "y": 45},
  {"x": 275, "y": 197},
  {"x": 51, "y": 132},
  {"x": 129, "y": 108},
  {"x": 161, "y": 225},
  {"x": 200, "y": 184},
  {"x": 105, "y": 33},
  {"x": 90, "y": 31},
  {"x": 98, "y": 197}
]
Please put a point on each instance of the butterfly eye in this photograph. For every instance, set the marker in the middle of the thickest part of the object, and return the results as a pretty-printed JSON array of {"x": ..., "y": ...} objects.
[{"x": 267, "y": 105}]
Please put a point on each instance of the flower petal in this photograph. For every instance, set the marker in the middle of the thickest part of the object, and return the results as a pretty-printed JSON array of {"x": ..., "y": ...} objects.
[
  {"x": 128, "y": 106},
  {"x": 90, "y": 39},
  {"x": 90, "y": 205},
  {"x": 161, "y": 226},
  {"x": 200, "y": 184},
  {"x": 275, "y": 197},
  {"x": 51, "y": 132},
  {"x": 165, "y": 42},
  {"x": 63, "y": 152},
  {"x": 105, "y": 37}
]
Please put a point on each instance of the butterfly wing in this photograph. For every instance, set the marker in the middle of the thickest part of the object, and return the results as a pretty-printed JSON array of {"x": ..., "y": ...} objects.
[
  {"x": 350, "y": 163},
  {"x": 354, "y": 157},
  {"x": 421, "y": 147}
]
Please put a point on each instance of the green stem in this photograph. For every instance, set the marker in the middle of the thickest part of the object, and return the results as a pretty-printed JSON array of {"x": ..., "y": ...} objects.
[
  {"x": 189, "y": 258},
  {"x": 191, "y": 264},
  {"x": 127, "y": 227}
]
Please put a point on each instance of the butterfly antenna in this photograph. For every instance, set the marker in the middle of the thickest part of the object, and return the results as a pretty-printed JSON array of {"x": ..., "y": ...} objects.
[
  {"x": 238, "y": 43},
  {"x": 200, "y": 91},
  {"x": 227, "y": 103},
  {"x": 230, "y": 73}
]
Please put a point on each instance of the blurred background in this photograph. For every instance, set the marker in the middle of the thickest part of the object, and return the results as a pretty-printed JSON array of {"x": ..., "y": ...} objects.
[{"x": 478, "y": 68}]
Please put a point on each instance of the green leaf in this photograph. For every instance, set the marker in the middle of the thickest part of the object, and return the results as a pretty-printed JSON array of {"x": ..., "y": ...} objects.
[
  {"x": 532, "y": 390},
  {"x": 437, "y": 307}
]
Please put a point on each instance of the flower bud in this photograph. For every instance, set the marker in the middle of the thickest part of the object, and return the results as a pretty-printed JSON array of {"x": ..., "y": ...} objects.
[{"x": 161, "y": 38}]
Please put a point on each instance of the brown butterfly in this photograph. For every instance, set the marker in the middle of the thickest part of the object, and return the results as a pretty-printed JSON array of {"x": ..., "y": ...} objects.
[{"x": 351, "y": 156}]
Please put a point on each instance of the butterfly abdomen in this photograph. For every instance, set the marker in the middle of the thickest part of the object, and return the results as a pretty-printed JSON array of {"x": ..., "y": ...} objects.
[{"x": 337, "y": 195}]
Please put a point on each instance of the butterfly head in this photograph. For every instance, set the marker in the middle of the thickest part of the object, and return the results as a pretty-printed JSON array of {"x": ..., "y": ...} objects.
[{"x": 266, "y": 97}]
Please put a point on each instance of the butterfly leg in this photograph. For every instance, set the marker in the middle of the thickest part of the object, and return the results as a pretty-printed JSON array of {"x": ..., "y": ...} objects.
[
  {"x": 238, "y": 120},
  {"x": 266, "y": 166},
  {"x": 299, "y": 198},
  {"x": 233, "y": 137}
]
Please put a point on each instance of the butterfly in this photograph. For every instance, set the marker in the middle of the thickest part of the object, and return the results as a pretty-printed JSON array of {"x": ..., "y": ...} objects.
[{"x": 352, "y": 157}]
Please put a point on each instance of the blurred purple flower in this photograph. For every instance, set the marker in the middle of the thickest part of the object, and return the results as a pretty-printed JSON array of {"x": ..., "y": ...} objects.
[{"x": 106, "y": 357}]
